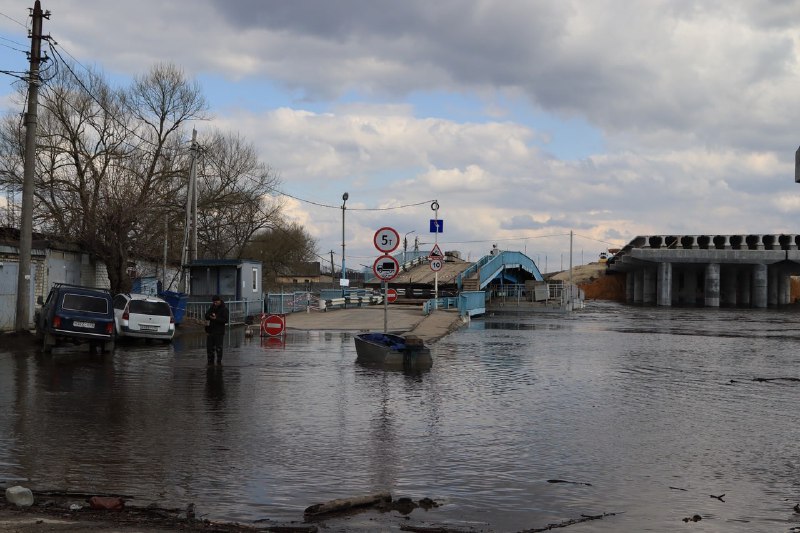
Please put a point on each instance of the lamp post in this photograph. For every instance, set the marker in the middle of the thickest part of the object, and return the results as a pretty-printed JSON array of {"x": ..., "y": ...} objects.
[
  {"x": 405, "y": 244},
  {"x": 345, "y": 196}
]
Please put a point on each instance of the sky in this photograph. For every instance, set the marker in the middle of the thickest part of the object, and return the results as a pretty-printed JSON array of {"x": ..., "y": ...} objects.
[{"x": 524, "y": 120}]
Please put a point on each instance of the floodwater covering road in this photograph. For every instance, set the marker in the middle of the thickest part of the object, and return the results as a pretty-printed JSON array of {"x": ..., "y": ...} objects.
[{"x": 646, "y": 416}]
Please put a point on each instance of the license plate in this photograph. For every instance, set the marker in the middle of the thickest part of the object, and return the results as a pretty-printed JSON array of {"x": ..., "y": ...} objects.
[
  {"x": 148, "y": 328},
  {"x": 79, "y": 324}
]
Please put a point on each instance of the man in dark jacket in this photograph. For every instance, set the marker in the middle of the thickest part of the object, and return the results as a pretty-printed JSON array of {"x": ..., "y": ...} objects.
[{"x": 217, "y": 316}]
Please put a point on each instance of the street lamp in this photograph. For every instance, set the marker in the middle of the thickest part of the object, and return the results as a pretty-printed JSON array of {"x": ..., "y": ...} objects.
[
  {"x": 345, "y": 196},
  {"x": 405, "y": 245}
]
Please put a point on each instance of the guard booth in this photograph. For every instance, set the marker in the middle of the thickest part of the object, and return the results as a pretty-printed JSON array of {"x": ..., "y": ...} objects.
[{"x": 237, "y": 281}]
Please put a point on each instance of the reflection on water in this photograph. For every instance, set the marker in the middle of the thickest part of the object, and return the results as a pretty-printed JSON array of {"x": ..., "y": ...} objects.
[{"x": 647, "y": 411}]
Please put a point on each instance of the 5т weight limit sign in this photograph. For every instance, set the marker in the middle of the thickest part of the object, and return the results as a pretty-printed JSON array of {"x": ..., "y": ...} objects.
[{"x": 386, "y": 240}]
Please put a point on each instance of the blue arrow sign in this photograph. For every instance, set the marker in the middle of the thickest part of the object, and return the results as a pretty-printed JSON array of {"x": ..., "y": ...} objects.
[{"x": 437, "y": 226}]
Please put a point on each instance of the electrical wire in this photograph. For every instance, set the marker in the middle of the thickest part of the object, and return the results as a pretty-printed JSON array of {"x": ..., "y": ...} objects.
[
  {"x": 351, "y": 208},
  {"x": 13, "y": 20}
]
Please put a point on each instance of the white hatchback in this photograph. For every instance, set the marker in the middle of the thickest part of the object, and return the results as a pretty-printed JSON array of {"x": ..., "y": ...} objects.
[{"x": 143, "y": 316}]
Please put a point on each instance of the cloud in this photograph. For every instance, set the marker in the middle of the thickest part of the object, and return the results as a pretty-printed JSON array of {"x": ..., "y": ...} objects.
[{"x": 402, "y": 102}]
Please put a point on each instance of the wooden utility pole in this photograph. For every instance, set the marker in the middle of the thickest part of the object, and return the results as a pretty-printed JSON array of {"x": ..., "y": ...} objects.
[{"x": 22, "y": 320}]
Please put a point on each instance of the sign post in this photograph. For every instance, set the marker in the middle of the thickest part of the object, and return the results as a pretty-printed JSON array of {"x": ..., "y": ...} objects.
[
  {"x": 436, "y": 228},
  {"x": 386, "y": 267}
]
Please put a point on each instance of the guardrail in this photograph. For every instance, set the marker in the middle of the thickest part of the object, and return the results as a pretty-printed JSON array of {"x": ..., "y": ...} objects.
[
  {"x": 357, "y": 301},
  {"x": 469, "y": 303}
]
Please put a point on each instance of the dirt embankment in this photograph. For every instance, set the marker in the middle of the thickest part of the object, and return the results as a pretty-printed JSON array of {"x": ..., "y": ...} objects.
[{"x": 595, "y": 280}]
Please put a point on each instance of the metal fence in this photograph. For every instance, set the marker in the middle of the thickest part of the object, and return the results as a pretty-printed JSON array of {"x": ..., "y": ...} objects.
[{"x": 239, "y": 312}]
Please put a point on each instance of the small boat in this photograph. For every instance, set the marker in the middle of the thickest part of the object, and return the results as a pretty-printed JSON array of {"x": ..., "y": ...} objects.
[{"x": 392, "y": 351}]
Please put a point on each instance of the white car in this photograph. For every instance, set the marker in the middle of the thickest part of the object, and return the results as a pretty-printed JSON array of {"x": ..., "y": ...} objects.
[{"x": 143, "y": 316}]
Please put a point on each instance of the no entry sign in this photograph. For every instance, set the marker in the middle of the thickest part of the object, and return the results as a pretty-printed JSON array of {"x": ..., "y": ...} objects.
[
  {"x": 391, "y": 295},
  {"x": 273, "y": 325}
]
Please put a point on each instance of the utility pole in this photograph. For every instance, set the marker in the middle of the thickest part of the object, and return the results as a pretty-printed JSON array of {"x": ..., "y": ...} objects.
[
  {"x": 333, "y": 272},
  {"x": 189, "y": 248},
  {"x": 22, "y": 321}
]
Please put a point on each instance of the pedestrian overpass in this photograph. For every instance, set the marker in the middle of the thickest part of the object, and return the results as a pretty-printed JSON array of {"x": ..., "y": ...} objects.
[{"x": 502, "y": 268}]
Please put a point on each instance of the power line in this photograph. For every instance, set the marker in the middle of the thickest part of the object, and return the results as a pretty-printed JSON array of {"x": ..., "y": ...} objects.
[
  {"x": 12, "y": 19},
  {"x": 113, "y": 116},
  {"x": 13, "y": 48},
  {"x": 351, "y": 208}
]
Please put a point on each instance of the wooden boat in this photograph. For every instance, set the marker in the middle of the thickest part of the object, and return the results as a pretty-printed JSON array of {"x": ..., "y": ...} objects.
[{"x": 392, "y": 351}]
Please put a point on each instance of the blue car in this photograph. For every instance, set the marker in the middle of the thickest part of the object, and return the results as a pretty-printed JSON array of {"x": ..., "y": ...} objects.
[{"x": 77, "y": 315}]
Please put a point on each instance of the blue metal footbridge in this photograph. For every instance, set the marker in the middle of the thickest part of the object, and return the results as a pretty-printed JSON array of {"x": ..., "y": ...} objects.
[{"x": 502, "y": 268}]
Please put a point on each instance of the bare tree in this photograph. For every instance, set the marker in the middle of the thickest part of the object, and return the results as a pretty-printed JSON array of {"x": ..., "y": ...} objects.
[
  {"x": 112, "y": 170},
  {"x": 281, "y": 249},
  {"x": 234, "y": 197},
  {"x": 103, "y": 178}
]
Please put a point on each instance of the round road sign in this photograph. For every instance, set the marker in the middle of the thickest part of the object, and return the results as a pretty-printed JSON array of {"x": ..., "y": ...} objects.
[
  {"x": 391, "y": 295},
  {"x": 273, "y": 325},
  {"x": 386, "y": 240},
  {"x": 436, "y": 265},
  {"x": 386, "y": 267}
]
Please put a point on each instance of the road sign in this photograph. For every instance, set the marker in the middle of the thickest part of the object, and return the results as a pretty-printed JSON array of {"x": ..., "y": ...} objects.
[
  {"x": 437, "y": 226},
  {"x": 436, "y": 253},
  {"x": 386, "y": 267},
  {"x": 391, "y": 295},
  {"x": 273, "y": 325},
  {"x": 386, "y": 240},
  {"x": 436, "y": 265}
]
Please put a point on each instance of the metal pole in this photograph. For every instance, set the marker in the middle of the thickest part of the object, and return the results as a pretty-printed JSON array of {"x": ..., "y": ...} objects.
[
  {"x": 435, "y": 207},
  {"x": 570, "y": 270},
  {"x": 345, "y": 196},
  {"x": 385, "y": 306},
  {"x": 23, "y": 308}
]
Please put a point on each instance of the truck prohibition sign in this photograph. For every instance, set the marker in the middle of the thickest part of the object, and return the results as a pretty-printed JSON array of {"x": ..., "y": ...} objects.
[{"x": 386, "y": 267}]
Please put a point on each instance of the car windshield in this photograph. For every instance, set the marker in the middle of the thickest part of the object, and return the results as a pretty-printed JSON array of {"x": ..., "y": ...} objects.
[
  {"x": 83, "y": 302},
  {"x": 143, "y": 307}
]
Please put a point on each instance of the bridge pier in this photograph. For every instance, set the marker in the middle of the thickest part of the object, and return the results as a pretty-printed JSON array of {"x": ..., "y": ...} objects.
[
  {"x": 664, "y": 284},
  {"x": 638, "y": 286},
  {"x": 649, "y": 286},
  {"x": 759, "y": 286},
  {"x": 772, "y": 286},
  {"x": 711, "y": 288}
]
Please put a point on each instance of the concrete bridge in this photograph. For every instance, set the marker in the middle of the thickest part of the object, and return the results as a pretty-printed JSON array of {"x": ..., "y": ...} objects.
[{"x": 711, "y": 270}]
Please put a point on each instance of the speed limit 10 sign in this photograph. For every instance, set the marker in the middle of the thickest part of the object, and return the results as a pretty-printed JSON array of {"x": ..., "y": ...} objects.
[
  {"x": 436, "y": 265},
  {"x": 386, "y": 240}
]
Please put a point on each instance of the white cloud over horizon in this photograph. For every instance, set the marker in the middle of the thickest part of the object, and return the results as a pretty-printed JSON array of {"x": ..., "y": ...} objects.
[{"x": 523, "y": 119}]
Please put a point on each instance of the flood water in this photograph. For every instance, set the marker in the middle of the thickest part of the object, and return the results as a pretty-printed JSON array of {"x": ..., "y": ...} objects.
[{"x": 646, "y": 412}]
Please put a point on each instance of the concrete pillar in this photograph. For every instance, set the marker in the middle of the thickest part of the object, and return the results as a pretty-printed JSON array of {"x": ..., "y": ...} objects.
[
  {"x": 638, "y": 286},
  {"x": 629, "y": 278},
  {"x": 784, "y": 286},
  {"x": 664, "y": 285},
  {"x": 649, "y": 288},
  {"x": 744, "y": 288},
  {"x": 759, "y": 286},
  {"x": 728, "y": 285},
  {"x": 711, "y": 287},
  {"x": 772, "y": 286}
]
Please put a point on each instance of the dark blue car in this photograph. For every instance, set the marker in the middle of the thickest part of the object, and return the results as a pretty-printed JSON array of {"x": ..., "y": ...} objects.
[{"x": 77, "y": 315}]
